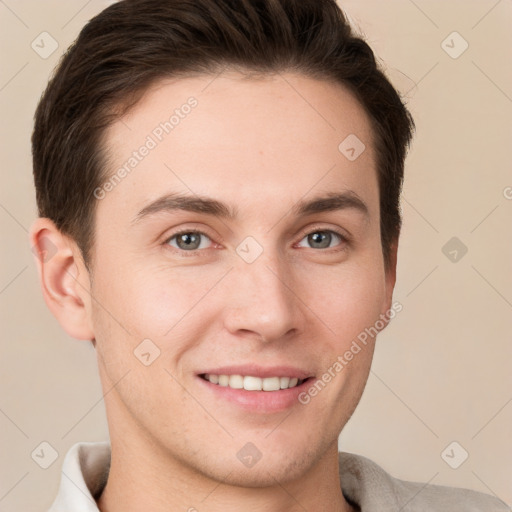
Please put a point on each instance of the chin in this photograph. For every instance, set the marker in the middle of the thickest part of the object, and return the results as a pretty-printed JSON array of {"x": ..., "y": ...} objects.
[{"x": 276, "y": 466}]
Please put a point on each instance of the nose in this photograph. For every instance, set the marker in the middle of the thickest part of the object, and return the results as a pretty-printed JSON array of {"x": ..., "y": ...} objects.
[{"x": 261, "y": 300}]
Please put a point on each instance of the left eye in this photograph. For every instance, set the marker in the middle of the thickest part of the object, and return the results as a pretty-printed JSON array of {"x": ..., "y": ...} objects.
[
  {"x": 322, "y": 239},
  {"x": 188, "y": 240}
]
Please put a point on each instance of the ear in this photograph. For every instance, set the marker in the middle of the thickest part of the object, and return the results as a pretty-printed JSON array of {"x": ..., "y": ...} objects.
[
  {"x": 390, "y": 280},
  {"x": 64, "y": 278}
]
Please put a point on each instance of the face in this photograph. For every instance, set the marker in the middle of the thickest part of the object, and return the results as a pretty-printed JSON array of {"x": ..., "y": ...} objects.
[{"x": 241, "y": 250}]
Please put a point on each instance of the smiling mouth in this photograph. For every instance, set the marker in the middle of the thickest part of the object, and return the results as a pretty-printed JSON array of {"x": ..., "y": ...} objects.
[{"x": 251, "y": 383}]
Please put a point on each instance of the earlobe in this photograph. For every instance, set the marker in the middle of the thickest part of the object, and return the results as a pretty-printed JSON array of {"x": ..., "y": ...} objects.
[{"x": 63, "y": 277}]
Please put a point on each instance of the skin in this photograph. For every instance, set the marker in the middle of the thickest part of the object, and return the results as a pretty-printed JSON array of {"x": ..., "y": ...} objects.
[{"x": 257, "y": 145}]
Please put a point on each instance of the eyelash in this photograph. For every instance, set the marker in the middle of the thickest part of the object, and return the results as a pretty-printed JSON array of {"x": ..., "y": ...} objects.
[{"x": 345, "y": 241}]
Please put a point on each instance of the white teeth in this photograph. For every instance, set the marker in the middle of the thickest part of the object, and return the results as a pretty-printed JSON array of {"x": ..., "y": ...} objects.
[
  {"x": 253, "y": 384},
  {"x": 284, "y": 382},
  {"x": 236, "y": 382},
  {"x": 250, "y": 383},
  {"x": 271, "y": 384}
]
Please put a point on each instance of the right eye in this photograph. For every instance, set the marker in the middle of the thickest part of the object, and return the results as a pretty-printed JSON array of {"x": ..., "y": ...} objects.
[{"x": 188, "y": 240}]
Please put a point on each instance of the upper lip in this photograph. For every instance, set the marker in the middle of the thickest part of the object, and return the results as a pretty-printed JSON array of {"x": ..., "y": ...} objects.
[{"x": 259, "y": 371}]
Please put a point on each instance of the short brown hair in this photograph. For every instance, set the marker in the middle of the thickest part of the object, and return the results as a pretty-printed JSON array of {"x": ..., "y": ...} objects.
[{"x": 131, "y": 44}]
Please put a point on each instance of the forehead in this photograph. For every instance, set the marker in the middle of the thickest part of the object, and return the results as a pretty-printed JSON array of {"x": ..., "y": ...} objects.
[{"x": 245, "y": 141}]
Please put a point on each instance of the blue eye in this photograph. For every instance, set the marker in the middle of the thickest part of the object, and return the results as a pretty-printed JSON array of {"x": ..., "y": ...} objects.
[
  {"x": 323, "y": 239},
  {"x": 188, "y": 240}
]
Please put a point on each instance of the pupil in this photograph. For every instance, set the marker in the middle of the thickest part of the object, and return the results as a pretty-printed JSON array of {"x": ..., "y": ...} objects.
[
  {"x": 189, "y": 239},
  {"x": 321, "y": 238}
]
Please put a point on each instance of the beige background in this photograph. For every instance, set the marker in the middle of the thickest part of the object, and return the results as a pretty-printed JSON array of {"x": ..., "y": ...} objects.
[{"x": 442, "y": 368}]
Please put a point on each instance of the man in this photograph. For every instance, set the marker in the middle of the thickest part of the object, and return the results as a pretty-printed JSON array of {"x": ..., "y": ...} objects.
[{"x": 218, "y": 188}]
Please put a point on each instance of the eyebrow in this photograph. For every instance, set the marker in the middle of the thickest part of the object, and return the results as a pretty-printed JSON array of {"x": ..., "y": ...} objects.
[{"x": 200, "y": 204}]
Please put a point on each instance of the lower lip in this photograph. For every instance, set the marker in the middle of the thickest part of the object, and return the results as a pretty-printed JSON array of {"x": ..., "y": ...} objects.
[{"x": 258, "y": 401}]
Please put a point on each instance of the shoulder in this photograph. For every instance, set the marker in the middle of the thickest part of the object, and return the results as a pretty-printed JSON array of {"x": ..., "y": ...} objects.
[{"x": 369, "y": 486}]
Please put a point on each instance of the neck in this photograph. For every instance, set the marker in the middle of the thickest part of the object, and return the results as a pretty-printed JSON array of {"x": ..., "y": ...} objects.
[{"x": 141, "y": 477}]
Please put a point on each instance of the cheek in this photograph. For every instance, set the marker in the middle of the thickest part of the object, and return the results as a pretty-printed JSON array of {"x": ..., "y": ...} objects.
[
  {"x": 347, "y": 299},
  {"x": 163, "y": 304},
  {"x": 348, "y": 306},
  {"x": 168, "y": 300}
]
